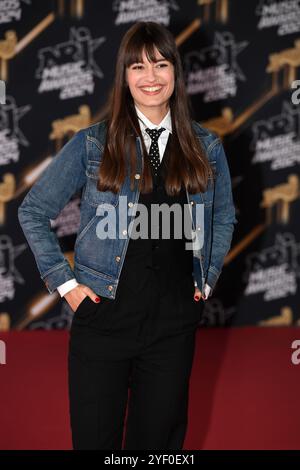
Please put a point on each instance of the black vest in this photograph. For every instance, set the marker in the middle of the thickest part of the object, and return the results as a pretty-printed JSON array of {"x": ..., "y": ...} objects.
[{"x": 167, "y": 256}]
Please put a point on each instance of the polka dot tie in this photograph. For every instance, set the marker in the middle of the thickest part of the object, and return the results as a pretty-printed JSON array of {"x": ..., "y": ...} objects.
[{"x": 154, "y": 151}]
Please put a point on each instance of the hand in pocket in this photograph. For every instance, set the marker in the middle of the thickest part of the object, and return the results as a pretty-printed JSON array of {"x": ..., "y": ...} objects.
[{"x": 77, "y": 295}]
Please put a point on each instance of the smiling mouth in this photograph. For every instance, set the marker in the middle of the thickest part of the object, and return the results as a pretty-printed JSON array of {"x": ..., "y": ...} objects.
[{"x": 151, "y": 89}]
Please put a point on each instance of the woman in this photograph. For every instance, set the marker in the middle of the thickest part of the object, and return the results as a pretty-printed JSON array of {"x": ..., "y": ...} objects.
[{"x": 135, "y": 298}]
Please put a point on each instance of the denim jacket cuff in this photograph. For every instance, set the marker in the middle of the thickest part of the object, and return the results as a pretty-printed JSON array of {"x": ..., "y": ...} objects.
[
  {"x": 212, "y": 277},
  {"x": 57, "y": 275}
]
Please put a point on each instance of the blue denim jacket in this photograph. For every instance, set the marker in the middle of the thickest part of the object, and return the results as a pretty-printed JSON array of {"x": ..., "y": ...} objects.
[{"x": 98, "y": 262}]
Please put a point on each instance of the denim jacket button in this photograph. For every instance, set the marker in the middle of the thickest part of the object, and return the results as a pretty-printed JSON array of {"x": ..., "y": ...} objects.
[
  {"x": 124, "y": 232},
  {"x": 130, "y": 204},
  {"x": 198, "y": 228},
  {"x": 137, "y": 176},
  {"x": 118, "y": 258},
  {"x": 192, "y": 202},
  {"x": 110, "y": 288}
]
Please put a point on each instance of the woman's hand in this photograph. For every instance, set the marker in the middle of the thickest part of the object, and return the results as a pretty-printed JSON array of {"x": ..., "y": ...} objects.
[
  {"x": 197, "y": 294},
  {"x": 76, "y": 295}
]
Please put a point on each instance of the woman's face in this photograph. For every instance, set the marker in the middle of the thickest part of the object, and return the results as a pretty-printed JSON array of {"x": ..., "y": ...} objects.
[{"x": 151, "y": 84}]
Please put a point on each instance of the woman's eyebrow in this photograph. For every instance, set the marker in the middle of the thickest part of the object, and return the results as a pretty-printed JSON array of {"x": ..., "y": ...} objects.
[{"x": 158, "y": 60}]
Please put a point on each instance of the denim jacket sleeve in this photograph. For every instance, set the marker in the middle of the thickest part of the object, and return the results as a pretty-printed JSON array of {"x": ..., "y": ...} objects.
[
  {"x": 223, "y": 217},
  {"x": 63, "y": 177}
]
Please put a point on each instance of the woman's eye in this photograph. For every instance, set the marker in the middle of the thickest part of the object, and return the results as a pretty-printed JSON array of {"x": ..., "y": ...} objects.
[{"x": 140, "y": 66}]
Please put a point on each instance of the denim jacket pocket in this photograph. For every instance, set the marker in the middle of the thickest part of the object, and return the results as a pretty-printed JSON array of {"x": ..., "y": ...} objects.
[
  {"x": 94, "y": 158},
  {"x": 91, "y": 194}
]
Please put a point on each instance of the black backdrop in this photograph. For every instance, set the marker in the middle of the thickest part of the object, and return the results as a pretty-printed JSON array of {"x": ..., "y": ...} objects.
[{"x": 240, "y": 59}]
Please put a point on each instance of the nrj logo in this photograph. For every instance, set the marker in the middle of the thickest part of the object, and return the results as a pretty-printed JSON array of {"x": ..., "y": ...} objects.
[
  {"x": 11, "y": 10},
  {"x": 282, "y": 13},
  {"x": 277, "y": 139},
  {"x": 2, "y": 352},
  {"x": 70, "y": 66},
  {"x": 129, "y": 11},
  {"x": 214, "y": 70},
  {"x": 11, "y": 136}
]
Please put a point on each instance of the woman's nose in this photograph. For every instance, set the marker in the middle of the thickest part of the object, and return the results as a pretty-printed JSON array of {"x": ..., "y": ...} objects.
[{"x": 151, "y": 74}]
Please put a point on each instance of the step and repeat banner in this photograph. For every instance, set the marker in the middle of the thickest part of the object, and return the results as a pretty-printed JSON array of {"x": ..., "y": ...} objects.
[{"x": 241, "y": 61}]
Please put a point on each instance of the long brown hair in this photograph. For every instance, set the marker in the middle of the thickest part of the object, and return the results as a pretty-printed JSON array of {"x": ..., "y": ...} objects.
[{"x": 188, "y": 164}]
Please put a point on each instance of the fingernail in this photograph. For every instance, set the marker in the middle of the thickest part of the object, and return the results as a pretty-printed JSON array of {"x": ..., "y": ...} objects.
[
  {"x": 197, "y": 297},
  {"x": 97, "y": 299}
]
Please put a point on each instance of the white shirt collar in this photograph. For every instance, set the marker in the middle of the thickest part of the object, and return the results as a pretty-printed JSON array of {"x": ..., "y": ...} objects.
[{"x": 145, "y": 122}]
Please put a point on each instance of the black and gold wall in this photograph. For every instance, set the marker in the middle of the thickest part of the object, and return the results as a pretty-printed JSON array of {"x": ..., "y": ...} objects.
[{"x": 241, "y": 60}]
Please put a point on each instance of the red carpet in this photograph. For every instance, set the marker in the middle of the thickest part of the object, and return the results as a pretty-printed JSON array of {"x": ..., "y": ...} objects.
[{"x": 244, "y": 390}]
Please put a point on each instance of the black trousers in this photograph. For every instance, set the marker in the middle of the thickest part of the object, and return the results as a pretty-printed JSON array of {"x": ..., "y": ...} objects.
[{"x": 138, "y": 350}]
